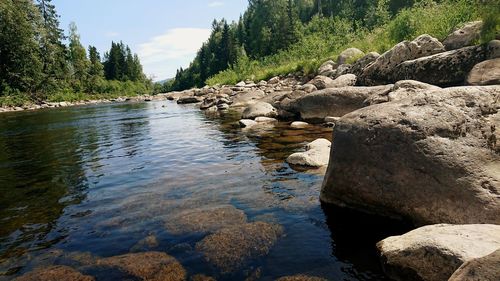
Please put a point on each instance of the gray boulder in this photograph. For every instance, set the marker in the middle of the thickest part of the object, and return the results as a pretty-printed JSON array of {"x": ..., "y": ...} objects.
[
  {"x": 316, "y": 155},
  {"x": 308, "y": 88},
  {"x": 327, "y": 68},
  {"x": 432, "y": 158},
  {"x": 486, "y": 268},
  {"x": 334, "y": 101},
  {"x": 380, "y": 71},
  {"x": 444, "y": 69},
  {"x": 359, "y": 65},
  {"x": 321, "y": 82},
  {"x": 259, "y": 109},
  {"x": 349, "y": 56},
  {"x": 345, "y": 80},
  {"x": 493, "y": 49},
  {"x": 485, "y": 73},
  {"x": 191, "y": 99},
  {"x": 464, "y": 36},
  {"x": 435, "y": 252},
  {"x": 246, "y": 98}
]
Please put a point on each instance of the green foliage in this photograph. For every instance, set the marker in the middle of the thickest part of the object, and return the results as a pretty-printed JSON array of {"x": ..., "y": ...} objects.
[
  {"x": 429, "y": 17},
  {"x": 35, "y": 65},
  {"x": 325, "y": 37},
  {"x": 20, "y": 63},
  {"x": 490, "y": 13}
]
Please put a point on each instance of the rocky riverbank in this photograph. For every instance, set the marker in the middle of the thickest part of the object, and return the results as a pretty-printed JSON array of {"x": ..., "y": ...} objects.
[
  {"x": 47, "y": 104},
  {"x": 415, "y": 138}
]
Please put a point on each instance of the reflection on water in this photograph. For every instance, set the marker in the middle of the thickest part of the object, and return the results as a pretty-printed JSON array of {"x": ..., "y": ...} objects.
[{"x": 98, "y": 181}]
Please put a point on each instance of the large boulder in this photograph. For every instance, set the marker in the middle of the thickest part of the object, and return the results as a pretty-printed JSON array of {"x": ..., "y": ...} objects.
[
  {"x": 316, "y": 155},
  {"x": 259, "y": 109},
  {"x": 485, "y": 73},
  {"x": 349, "y": 56},
  {"x": 334, "y": 101},
  {"x": 359, "y": 65},
  {"x": 53, "y": 273},
  {"x": 486, "y": 268},
  {"x": 435, "y": 252},
  {"x": 246, "y": 98},
  {"x": 464, "y": 36},
  {"x": 432, "y": 158},
  {"x": 443, "y": 69},
  {"x": 379, "y": 72}
]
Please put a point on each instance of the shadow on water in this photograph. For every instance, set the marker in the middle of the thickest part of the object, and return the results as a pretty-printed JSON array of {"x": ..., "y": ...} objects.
[{"x": 354, "y": 235}]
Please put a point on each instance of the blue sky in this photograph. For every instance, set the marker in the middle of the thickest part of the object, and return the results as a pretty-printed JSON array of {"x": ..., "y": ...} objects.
[{"x": 165, "y": 34}]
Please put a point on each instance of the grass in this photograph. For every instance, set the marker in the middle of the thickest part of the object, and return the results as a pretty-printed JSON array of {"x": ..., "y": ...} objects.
[{"x": 325, "y": 38}]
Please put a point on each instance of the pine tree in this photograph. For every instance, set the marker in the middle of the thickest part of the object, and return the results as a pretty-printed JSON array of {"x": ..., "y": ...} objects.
[
  {"x": 77, "y": 58},
  {"x": 53, "y": 51}
]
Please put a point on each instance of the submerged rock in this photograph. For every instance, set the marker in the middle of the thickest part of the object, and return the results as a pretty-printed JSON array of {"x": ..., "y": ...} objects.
[
  {"x": 55, "y": 273},
  {"x": 317, "y": 154},
  {"x": 434, "y": 253},
  {"x": 301, "y": 277},
  {"x": 201, "y": 277},
  {"x": 151, "y": 266},
  {"x": 148, "y": 243},
  {"x": 230, "y": 248},
  {"x": 432, "y": 158},
  {"x": 205, "y": 220},
  {"x": 486, "y": 268}
]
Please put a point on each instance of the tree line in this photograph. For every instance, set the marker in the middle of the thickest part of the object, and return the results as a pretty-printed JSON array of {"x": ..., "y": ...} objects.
[
  {"x": 269, "y": 26},
  {"x": 35, "y": 61}
]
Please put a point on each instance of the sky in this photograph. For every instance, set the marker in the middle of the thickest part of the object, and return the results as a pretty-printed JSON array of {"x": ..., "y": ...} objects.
[{"x": 166, "y": 34}]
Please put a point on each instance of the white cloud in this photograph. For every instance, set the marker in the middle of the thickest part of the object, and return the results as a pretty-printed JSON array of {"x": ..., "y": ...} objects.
[
  {"x": 163, "y": 54},
  {"x": 215, "y": 4}
]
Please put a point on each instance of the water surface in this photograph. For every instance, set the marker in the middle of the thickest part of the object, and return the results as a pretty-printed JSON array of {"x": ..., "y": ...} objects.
[{"x": 95, "y": 180}]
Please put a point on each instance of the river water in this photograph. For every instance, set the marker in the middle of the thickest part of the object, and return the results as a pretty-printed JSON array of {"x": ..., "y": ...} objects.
[{"x": 95, "y": 180}]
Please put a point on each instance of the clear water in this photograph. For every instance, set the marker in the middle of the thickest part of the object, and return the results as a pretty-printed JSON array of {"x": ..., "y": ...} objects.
[{"x": 98, "y": 179}]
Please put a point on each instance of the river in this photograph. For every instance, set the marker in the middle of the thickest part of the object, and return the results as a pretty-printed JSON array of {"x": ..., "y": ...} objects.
[{"x": 95, "y": 180}]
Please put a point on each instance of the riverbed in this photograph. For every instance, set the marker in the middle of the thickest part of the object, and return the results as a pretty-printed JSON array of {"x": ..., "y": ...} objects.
[{"x": 106, "y": 180}]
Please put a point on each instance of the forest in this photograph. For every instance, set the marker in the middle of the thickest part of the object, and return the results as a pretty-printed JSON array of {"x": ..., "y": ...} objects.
[
  {"x": 285, "y": 36},
  {"x": 40, "y": 62}
]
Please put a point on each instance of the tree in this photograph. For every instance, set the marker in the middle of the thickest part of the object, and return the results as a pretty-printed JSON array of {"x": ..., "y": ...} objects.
[
  {"x": 20, "y": 63},
  {"x": 77, "y": 58},
  {"x": 53, "y": 51}
]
